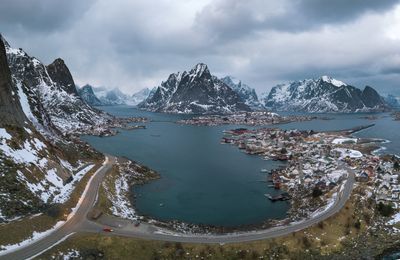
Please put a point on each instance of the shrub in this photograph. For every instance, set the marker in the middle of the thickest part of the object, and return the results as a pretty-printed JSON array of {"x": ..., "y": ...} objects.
[
  {"x": 316, "y": 192},
  {"x": 385, "y": 210}
]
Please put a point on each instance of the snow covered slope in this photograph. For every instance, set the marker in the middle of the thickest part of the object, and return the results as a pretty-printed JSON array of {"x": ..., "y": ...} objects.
[
  {"x": 48, "y": 95},
  {"x": 248, "y": 95},
  {"x": 87, "y": 94},
  {"x": 140, "y": 96},
  {"x": 196, "y": 91},
  {"x": 38, "y": 168},
  {"x": 324, "y": 94}
]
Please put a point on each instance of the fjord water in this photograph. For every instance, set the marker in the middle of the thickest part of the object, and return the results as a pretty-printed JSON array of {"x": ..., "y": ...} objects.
[{"x": 203, "y": 181}]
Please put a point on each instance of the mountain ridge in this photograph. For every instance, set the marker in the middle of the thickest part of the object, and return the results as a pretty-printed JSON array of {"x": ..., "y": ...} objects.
[
  {"x": 323, "y": 94},
  {"x": 195, "y": 91}
]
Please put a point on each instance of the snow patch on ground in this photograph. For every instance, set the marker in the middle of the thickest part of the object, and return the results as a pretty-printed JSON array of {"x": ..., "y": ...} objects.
[
  {"x": 26, "y": 154},
  {"x": 35, "y": 236},
  {"x": 344, "y": 140},
  {"x": 395, "y": 219},
  {"x": 348, "y": 152},
  {"x": 4, "y": 134},
  {"x": 121, "y": 206}
]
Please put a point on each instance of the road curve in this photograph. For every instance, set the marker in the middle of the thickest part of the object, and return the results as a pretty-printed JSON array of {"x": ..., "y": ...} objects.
[
  {"x": 79, "y": 223},
  {"x": 86, "y": 203},
  {"x": 152, "y": 233}
]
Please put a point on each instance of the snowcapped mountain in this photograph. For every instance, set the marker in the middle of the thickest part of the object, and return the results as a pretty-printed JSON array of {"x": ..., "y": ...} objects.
[
  {"x": 392, "y": 100},
  {"x": 87, "y": 94},
  {"x": 140, "y": 96},
  {"x": 195, "y": 91},
  {"x": 38, "y": 105},
  {"x": 248, "y": 95},
  {"x": 323, "y": 94},
  {"x": 48, "y": 95},
  {"x": 101, "y": 96}
]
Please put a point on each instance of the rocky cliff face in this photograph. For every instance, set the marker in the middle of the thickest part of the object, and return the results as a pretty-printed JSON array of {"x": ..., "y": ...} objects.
[
  {"x": 195, "y": 91},
  {"x": 10, "y": 108},
  {"x": 246, "y": 93},
  {"x": 48, "y": 95},
  {"x": 38, "y": 168},
  {"x": 87, "y": 95},
  {"x": 61, "y": 76},
  {"x": 324, "y": 94}
]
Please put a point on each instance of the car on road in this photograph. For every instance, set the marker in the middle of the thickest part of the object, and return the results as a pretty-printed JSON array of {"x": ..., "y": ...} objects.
[
  {"x": 136, "y": 223},
  {"x": 106, "y": 229}
]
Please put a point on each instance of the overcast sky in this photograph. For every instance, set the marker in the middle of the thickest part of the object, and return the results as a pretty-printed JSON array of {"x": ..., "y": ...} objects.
[{"x": 134, "y": 44}]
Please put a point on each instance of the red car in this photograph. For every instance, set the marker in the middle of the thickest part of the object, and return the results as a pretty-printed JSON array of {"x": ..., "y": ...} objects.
[{"x": 107, "y": 229}]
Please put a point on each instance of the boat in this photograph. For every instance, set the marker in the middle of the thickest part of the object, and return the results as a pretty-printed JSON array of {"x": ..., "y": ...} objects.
[
  {"x": 268, "y": 195},
  {"x": 264, "y": 170}
]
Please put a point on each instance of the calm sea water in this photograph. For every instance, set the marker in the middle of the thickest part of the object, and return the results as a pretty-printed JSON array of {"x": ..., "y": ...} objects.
[{"x": 203, "y": 181}]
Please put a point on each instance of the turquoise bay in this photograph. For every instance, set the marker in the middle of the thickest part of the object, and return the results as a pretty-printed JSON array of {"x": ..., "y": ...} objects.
[{"x": 203, "y": 181}]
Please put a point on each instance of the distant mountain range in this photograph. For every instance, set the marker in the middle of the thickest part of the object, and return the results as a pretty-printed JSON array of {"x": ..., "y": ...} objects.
[
  {"x": 101, "y": 96},
  {"x": 195, "y": 91},
  {"x": 322, "y": 95}
]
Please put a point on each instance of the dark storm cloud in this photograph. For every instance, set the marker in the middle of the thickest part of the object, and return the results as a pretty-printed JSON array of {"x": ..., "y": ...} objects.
[
  {"x": 136, "y": 44},
  {"x": 40, "y": 16},
  {"x": 231, "y": 19},
  {"x": 339, "y": 11}
]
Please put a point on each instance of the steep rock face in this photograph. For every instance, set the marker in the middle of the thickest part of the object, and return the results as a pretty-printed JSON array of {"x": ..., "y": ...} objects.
[
  {"x": 10, "y": 108},
  {"x": 196, "y": 91},
  {"x": 45, "y": 100},
  {"x": 37, "y": 166},
  {"x": 247, "y": 94},
  {"x": 324, "y": 94},
  {"x": 61, "y": 75},
  {"x": 87, "y": 95}
]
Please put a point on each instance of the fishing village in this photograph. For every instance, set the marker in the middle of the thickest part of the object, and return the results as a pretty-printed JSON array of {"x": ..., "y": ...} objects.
[{"x": 316, "y": 165}]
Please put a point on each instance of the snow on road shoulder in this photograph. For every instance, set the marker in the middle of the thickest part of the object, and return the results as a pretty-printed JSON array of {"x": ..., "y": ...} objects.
[
  {"x": 66, "y": 190},
  {"x": 35, "y": 236}
]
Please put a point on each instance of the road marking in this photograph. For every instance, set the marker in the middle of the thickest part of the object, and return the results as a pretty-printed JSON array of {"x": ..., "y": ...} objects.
[{"x": 53, "y": 245}]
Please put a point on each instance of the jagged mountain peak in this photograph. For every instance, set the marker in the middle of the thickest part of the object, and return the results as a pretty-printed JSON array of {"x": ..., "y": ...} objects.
[
  {"x": 6, "y": 44},
  {"x": 60, "y": 74},
  {"x": 199, "y": 70},
  {"x": 10, "y": 109},
  {"x": 332, "y": 81},
  {"x": 48, "y": 94},
  {"x": 247, "y": 94},
  {"x": 324, "y": 94},
  {"x": 196, "y": 91}
]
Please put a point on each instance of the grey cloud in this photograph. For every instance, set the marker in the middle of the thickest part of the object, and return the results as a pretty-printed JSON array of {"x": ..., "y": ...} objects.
[
  {"x": 232, "y": 19},
  {"x": 40, "y": 16},
  {"x": 136, "y": 44}
]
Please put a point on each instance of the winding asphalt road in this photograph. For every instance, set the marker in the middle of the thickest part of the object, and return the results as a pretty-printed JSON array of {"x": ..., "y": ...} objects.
[{"x": 79, "y": 223}]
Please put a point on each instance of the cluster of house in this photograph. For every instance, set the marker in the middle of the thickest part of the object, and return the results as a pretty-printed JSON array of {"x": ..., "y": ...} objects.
[
  {"x": 312, "y": 157},
  {"x": 315, "y": 160},
  {"x": 384, "y": 174},
  {"x": 245, "y": 118}
]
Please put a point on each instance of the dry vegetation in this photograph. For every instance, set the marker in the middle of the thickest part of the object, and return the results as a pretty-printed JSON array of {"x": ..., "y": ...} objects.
[{"x": 350, "y": 233}]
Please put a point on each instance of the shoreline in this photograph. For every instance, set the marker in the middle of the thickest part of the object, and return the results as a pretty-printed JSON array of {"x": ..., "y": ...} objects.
[{"x": 176, "y": 225}]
